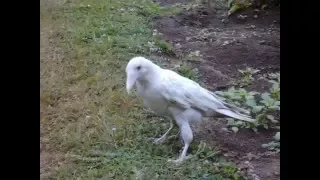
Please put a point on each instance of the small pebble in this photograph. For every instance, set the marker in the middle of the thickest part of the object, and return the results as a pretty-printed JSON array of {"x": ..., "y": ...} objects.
[
  {"x": 242, "y": 17},
  {"x": 262, "y": 42},
  {"x": 224, "y": 21},
  {"x": 225, "y": 43}
]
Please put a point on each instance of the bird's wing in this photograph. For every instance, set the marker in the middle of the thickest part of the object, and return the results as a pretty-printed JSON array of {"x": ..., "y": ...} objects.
[{"x": 186, "y": 93}]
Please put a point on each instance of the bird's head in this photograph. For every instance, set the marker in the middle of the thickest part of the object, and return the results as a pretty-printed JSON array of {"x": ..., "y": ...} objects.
[{"x": 138, "y": 69}]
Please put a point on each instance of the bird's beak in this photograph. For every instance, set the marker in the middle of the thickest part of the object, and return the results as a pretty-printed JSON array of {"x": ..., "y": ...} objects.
[{"x": 131, "y": 81}]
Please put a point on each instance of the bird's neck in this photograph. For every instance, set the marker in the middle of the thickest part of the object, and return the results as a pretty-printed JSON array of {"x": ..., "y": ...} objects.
[{"x": 152, "y": 77}]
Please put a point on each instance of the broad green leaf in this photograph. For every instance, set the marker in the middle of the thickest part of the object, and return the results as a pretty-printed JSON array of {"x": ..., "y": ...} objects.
[
  {"x": 244, "y": 94},
  {"x": 276, "y": 108},
  {"x": 243, "y": 91},
  {"x": 273, "y": 81},
  {"x": 236, "y": 97},
  {"x": 264, "y": 102},
  {"x": 237, "y": 123},
  {"x": 276, "y": 86},
  {"x": 232, "y": 90},
  {"x": 270, "y": 117},
  {"x": 251, "y": 102},
  {"x": 260, "y": 117},
  {"x": 274, "y": 144},
  {"x": 266, "y": 126},
  {"x": 274, "y": 121},
  {"x": 234, "y": 8},
  {"x": 257, "y": 109},
  {"x": 277, "y": 136},
  {"x": 265, "y": 96},
  {"x": 228, "y": 94},
  {"x": 271, "y": 101},
  {"x": 241, "y": 71},
  {"x": 250, "y": 97},
  {"x": 219, "y": 93},
  {"x": 235, "y": 129},
  {"x": 230, "y": 122},
  {"x": 268, "y": 101},
  {"x": 252, "y": 93}
]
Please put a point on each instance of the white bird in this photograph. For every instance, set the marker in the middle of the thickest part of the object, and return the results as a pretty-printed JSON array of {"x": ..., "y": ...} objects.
[{"x": 179, "y": 98}]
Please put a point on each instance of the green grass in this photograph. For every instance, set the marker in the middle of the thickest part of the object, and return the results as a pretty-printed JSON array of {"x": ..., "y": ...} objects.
[
  {"x": 164, "y": 46},
  {"x": 88, "y": 121},
  {"x": 187, "y": 71}
]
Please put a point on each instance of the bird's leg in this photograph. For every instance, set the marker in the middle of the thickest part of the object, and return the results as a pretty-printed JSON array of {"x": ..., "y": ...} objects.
[
  {"x": 164, "y": 136},
  {"x": 187, "y": 137}
]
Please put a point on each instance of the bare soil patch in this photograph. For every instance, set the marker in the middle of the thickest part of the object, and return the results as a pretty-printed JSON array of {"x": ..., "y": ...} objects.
[{"x": 226, "y": 45}]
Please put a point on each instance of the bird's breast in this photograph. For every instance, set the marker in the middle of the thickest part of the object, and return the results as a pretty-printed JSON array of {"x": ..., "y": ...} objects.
[{"x": 155, "y": 101}]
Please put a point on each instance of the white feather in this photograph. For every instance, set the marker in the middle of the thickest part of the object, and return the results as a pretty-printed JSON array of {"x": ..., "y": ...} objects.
[{"x": 169, "y": 94}]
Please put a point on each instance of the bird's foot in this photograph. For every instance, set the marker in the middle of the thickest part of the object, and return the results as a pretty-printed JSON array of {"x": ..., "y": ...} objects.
[{"x": 156, "y": 140}]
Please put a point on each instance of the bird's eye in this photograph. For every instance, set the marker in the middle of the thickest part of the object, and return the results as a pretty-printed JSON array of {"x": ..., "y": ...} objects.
[{"x": 139, "y": 67}]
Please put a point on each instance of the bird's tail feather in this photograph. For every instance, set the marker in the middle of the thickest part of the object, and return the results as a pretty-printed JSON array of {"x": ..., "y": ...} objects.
[
  {"x": 232, "y": 114},
  {"x": 233, "y": 107},
  {"x": 233, "y": 111}
]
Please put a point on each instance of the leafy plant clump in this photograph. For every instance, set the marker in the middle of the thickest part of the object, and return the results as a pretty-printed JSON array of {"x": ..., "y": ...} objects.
[
  {"x": 188, "y": 71},
  {"x": 263, "y": 107},
  {"x": 247, "y": 76},
  {"x": 273, "y": 145},
  {"x": 237, "y": 5}
]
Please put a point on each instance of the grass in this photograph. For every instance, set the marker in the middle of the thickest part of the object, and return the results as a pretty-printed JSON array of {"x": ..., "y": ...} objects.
[
  {"x": 187, "y": 71},
  {"x": 164, "y": 46},
  {"x": 90, "y": 127}
]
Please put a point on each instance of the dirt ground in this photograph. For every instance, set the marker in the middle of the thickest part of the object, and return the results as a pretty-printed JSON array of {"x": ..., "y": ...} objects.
[{"x": 226, "y": 45}]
